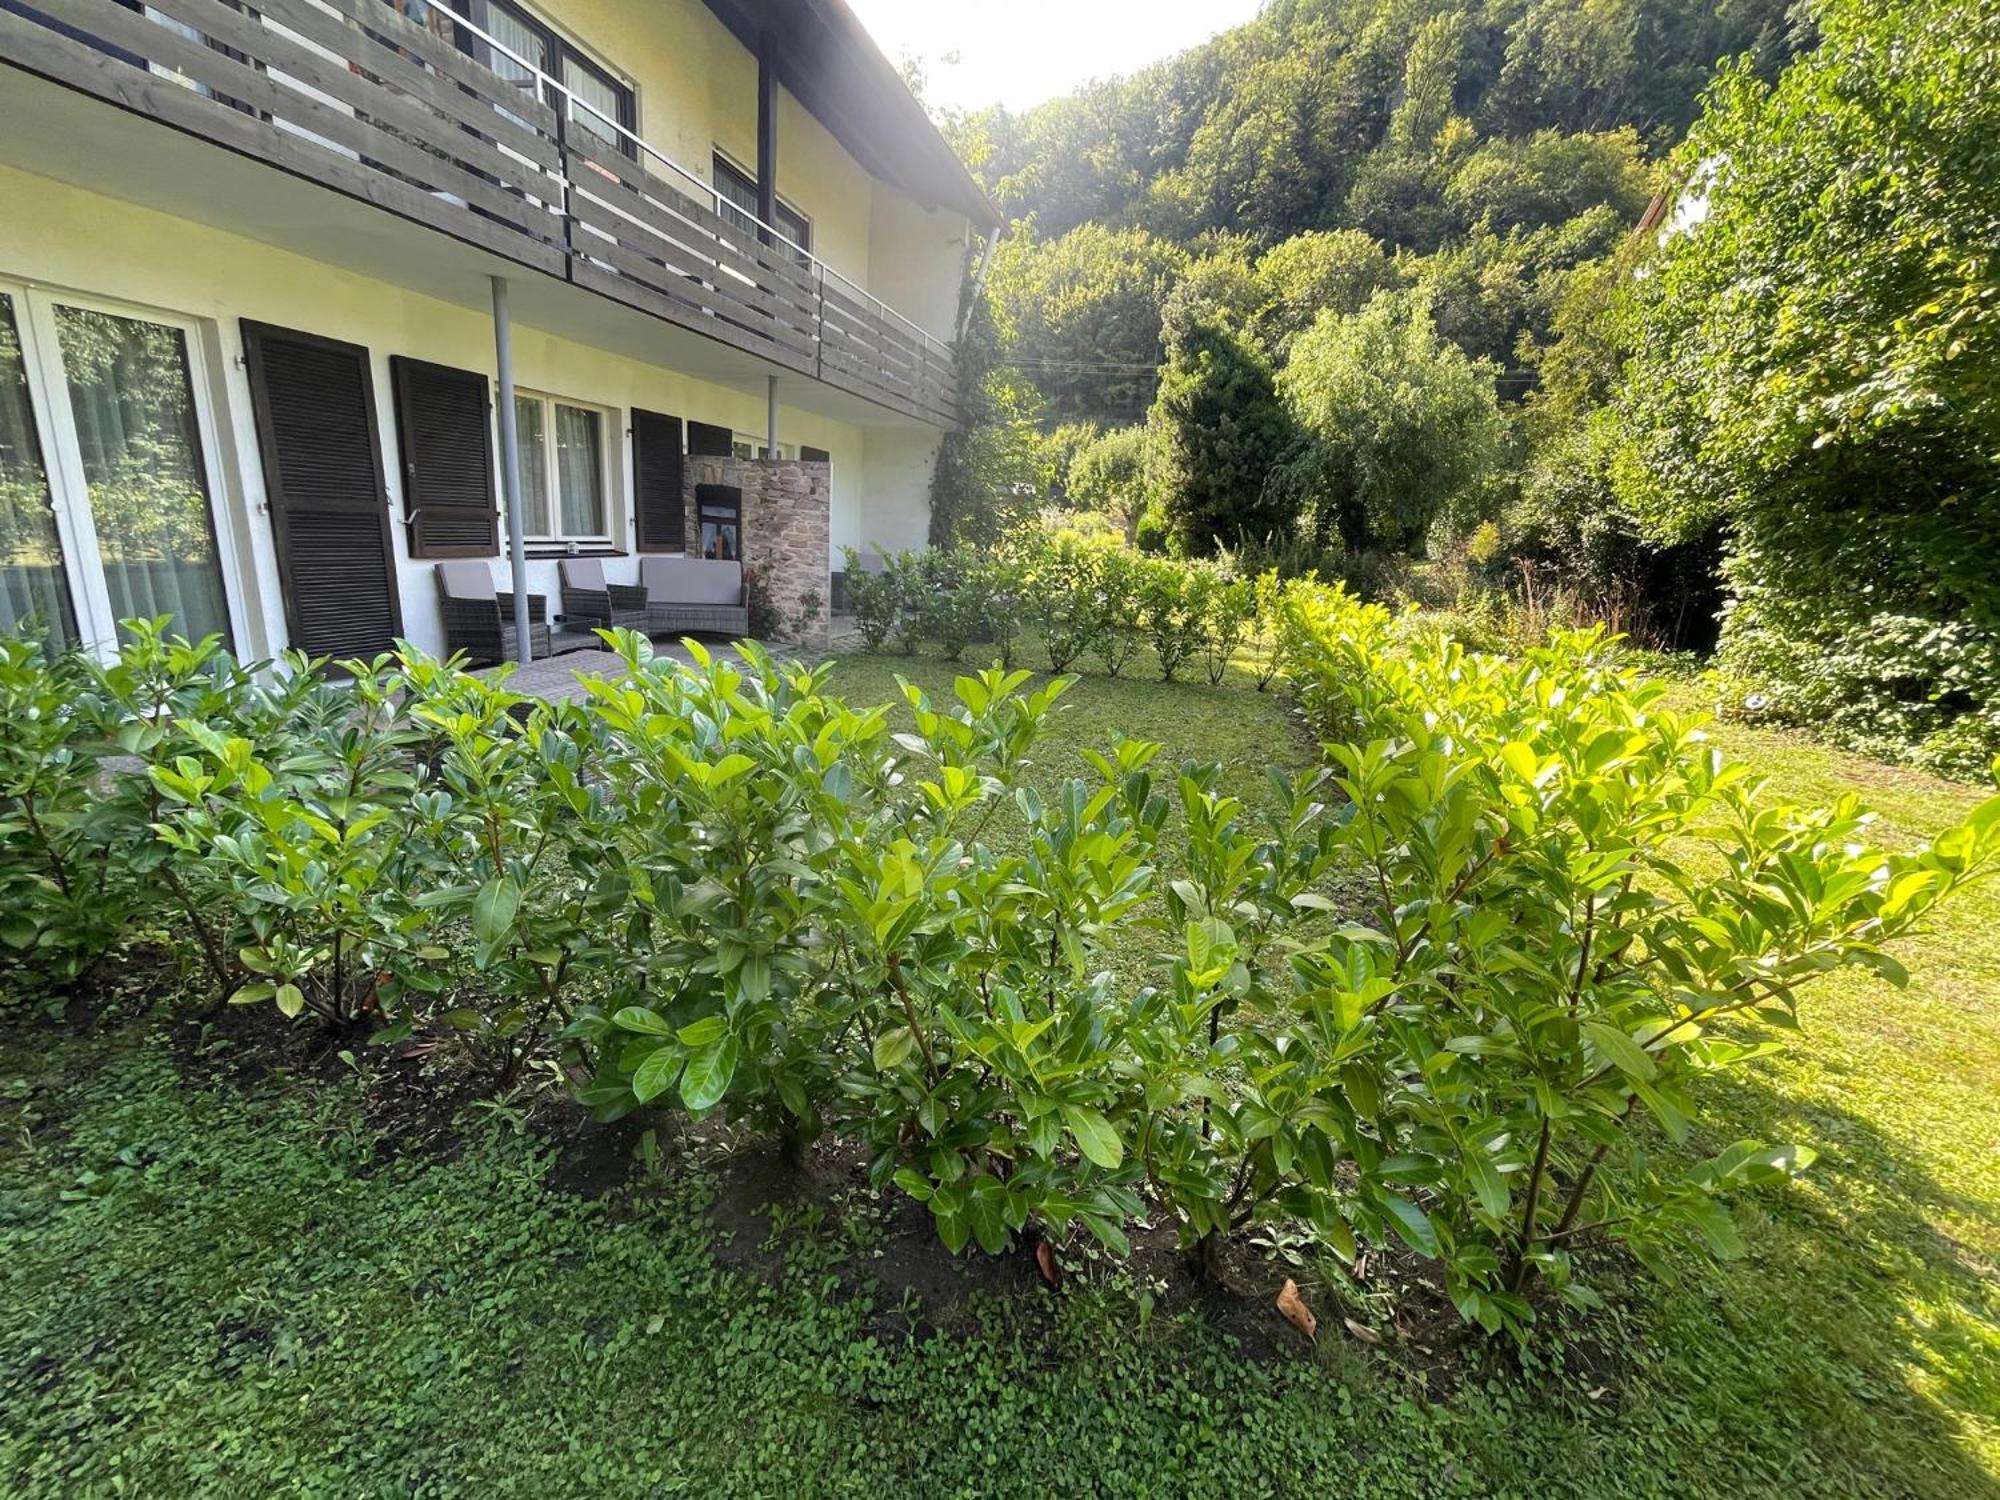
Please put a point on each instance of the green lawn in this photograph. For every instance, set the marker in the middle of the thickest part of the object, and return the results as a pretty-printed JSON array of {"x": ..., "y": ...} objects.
[{"x": 236, "y": 1285}]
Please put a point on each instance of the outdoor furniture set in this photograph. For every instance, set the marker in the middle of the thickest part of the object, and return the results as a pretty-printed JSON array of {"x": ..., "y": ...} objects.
[{"x": 674, "y": 596}]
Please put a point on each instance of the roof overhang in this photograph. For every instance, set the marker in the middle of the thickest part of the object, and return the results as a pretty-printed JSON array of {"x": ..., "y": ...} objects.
[{"x": 826, "y": 60}]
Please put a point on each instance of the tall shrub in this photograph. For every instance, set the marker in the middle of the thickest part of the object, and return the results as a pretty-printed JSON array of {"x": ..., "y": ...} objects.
[
  {"x": 1403, "y": 429},
  {"x": 1222, "y": 432},
  {"x": 1577, "y": 910},
  {"x": 1813, "y": 358}
]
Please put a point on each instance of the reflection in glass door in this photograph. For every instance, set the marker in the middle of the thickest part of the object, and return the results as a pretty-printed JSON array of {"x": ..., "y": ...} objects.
[
  {"x": 132, "y": 404},
  {"x": 105, "y": 509},
  {"x": 34, "y": 595}
]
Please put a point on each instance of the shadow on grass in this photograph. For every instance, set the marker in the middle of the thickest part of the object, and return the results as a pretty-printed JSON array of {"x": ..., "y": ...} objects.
[{"x": 1856, "y": 1346}]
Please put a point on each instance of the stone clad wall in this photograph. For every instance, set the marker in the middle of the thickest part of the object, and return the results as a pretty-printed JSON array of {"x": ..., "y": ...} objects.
[{"x": 787, "y": 511}]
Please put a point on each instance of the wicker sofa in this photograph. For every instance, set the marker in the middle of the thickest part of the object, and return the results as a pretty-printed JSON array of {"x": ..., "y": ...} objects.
[
  {"x": 475, "y": 621},
  {"x": 694, "y": 595}
]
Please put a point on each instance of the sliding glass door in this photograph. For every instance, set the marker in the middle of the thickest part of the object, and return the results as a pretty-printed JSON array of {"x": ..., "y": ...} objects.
[
  {"x": 34, "y": 595},
  {"x": 105, "y": 510}
]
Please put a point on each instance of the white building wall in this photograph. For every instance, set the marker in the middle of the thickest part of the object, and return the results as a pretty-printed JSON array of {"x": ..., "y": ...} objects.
[
  {"x": 896, "y": 466},
  {"x": 917, "y": 260},
  {"x": 64, "y": 238}
]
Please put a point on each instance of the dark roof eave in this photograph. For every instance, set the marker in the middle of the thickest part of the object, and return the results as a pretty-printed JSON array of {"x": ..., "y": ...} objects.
[{"x": 828, "y": 62}]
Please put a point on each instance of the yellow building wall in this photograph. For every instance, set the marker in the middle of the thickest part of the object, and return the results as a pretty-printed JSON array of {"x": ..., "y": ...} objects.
[
  {"x": 63, "y": 238},
  {"x": 695, "y": 87}
]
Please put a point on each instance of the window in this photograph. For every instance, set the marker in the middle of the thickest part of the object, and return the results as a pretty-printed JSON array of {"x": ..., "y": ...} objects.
[
  {"x": 738, "y": 190},
  {"x": 104, "y": 474},
  {"x": 596, "y": 102},
  {"x": 745, "y": 446},
  {"x": 562, "y": 470}
]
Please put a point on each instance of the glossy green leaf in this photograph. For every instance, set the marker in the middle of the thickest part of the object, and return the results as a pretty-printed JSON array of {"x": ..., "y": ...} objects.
[{"x": 1094, "y": 1136}]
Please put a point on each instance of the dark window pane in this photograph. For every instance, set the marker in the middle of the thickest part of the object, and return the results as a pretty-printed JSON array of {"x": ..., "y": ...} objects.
[
  {"x": 739, "y": 195},
  {"x": 739, "y": 207}
]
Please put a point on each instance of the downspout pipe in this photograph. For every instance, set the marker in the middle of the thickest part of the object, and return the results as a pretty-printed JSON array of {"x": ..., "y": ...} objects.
[
  {"x": 979, "y": 278},
  {"x": 767, "y": 132}
]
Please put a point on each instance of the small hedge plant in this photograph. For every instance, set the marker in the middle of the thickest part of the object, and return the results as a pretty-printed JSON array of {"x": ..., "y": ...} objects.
[{"x": 1081, "y": 598}]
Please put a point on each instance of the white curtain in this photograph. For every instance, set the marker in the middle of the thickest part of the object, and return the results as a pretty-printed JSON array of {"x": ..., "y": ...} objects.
[
  {"x": 579, "y": 465},
  {"x": 534, "y": 467},
  {"x": 597, "y": 92},
  {"x": 520, "y": 39},
  {"x": 34, "y": 595},
  {"x": 141, "y": 453}
]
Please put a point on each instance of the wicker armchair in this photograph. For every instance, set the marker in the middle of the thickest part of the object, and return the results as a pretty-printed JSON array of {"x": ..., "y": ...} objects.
[
  {"x": 694, "y": 595},
  {"x": 588, "y": 601},
  {"x": 474, "y": 621}
]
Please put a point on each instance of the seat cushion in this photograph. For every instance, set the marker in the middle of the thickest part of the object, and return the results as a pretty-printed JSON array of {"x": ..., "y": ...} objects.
[
  {"x": 466, "y": 580},
  {"x": 583, "y": 573},
  {"x": 691, "y": 580}
]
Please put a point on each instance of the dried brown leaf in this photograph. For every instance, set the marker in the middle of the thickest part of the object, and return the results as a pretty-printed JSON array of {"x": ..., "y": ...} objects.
[{"x": 1295, "y": 1310}]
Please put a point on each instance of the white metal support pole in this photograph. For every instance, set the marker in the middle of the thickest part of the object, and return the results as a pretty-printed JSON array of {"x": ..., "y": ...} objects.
[
  {"x": 771, "y": 415},
  {"x": 510, "y": 466}
]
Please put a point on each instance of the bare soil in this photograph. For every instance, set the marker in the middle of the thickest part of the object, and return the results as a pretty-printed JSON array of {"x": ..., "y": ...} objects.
[{"x": 766, "y": 1210}]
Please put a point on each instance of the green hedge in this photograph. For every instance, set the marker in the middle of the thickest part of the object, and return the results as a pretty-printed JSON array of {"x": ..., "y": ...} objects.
[
  {"x": 1079, "y": 600},
  {"x": 716, "y": 888}
]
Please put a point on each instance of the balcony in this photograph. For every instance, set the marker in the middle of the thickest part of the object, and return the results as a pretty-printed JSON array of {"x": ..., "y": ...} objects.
[{"x": 350, "y": 95}]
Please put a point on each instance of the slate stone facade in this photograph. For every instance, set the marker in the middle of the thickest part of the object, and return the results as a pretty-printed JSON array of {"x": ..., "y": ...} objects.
[{"x": 787, "y": 521}]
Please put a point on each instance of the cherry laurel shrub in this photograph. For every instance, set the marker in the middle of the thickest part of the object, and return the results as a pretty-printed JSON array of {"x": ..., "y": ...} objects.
[
  {"x": 1081, "y": 596},
  {"x": 66, "y": 885},
  {"x": 1577, "y": 909},
  {"x": 1425, "y": 994},
  {"x": 872, "y": 595}
]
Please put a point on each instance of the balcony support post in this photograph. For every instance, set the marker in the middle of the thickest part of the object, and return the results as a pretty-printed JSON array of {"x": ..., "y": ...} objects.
[
  {"x": 510, "y": 465},
  {"x": 767, "y": 130},
  {"x": 771, "y": 415}
]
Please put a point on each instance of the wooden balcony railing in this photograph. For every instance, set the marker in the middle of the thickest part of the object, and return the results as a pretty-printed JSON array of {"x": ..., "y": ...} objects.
[{"x": 351, "y": 94}]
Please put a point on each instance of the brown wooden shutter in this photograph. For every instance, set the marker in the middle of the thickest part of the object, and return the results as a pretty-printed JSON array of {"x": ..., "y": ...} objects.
[
  {"x": 815, "y": 455},
  {"x": 656, "y": 466},
  {"x": 314, "y": 400},
  {"x": 709, "y": 441},
  {"x": 447, "y": 445}
]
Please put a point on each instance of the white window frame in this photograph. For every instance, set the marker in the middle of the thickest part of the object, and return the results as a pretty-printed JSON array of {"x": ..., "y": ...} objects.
[
  {"x": 610, "y": 500},
  {"x": 35, "y": 326},
  {"x": 745, "y": 445}
]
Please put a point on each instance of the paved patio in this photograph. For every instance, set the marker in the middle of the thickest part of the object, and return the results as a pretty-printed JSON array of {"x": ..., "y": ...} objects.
[{"x": 561, "y": 676}]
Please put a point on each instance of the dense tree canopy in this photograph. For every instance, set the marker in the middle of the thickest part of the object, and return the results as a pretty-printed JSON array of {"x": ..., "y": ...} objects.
[
  {"x": 1813, "y": 364},
  {"x": 1405, "y": 430},
  {"x": 1081, "y": 315},
  {"x": 1338, "y": 147},
  {"x": 1338, "y": 269}
]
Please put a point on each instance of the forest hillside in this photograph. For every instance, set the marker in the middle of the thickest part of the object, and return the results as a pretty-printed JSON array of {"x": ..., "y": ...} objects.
[{"x": 1677, "y": 314}]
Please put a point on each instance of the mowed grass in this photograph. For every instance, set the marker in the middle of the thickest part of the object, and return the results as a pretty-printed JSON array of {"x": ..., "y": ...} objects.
[
  {"x": 240, "y": 1287},
  {"x": 1869, "y": 1311}
]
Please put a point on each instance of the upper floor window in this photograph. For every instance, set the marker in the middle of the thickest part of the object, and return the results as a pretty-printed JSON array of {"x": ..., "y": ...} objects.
[
  {"x": 529, "y": 50},
  {"x": 738, "y": 190}
]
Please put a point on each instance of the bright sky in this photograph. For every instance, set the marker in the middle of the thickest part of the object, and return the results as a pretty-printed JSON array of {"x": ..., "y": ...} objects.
[{"x": 1021, "y": 52}]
